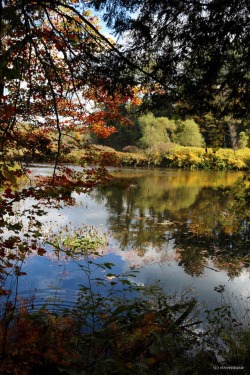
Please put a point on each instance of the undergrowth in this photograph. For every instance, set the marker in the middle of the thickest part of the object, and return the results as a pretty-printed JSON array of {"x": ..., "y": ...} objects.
[
  {"x": 119, "y": 327},
  {"x": 178, "y": 157}
]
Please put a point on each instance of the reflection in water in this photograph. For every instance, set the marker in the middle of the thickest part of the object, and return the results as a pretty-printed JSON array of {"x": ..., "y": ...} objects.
[
  {"x": 173, "y": 223},
  {"x": 185, "y": 209}
]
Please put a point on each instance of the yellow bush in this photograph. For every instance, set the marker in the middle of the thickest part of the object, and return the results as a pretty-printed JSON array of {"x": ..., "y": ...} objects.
[{"x": 237, "y": 163}]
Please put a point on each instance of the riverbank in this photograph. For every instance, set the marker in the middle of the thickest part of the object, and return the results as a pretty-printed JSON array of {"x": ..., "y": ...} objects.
[{"x": 190, "y": 158}]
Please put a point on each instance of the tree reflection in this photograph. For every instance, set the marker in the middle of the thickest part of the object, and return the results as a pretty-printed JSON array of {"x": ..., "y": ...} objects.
[{"x": 186, "y": 208}]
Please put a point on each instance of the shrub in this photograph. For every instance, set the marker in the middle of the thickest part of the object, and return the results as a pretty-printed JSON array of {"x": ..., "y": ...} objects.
[
  {"x": 131, "y": 149},
  {"x": 244, "y": 140}
]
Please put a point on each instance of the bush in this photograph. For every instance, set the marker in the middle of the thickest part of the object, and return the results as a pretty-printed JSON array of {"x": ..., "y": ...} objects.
[
  {"x": 244, "y": 140},
  {"x": 131, "y": 149}
]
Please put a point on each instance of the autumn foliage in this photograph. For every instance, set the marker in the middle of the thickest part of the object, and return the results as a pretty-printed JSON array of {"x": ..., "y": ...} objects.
[
  {"x": 58, "y": 89},
  {"x": 53, "y": 77},
  {"x": 55, "y": 83}
]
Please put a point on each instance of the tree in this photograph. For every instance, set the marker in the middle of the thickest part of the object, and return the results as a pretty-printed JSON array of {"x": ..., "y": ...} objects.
[
  {"x": 156, "y": 130},
  {"x": 57, "y": 83},
  {"x": 159, "y": 130},
  {"x": 128, "y": 133},
  {"x": 56, "y": 77},
  {"x": 196, "y": 50},
  {"x": 188, "y": 134},
  {"x": 54, "y": 73}
]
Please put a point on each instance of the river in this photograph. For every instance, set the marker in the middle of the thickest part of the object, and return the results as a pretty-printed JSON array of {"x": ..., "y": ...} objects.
[{"x": 172, "y": 224}]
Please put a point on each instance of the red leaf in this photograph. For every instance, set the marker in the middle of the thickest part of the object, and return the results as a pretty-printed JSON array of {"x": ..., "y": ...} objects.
[{"x": 41, "y": 251}]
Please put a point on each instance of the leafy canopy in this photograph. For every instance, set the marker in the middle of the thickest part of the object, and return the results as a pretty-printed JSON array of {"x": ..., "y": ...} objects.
[
  {"x": 159, "y": 130},
  {"x": 197, "y": 50},
  {"x": 55, "y": 74},
  {"x": 188, "y": 134},
  {"x": 155, "y": 129}
]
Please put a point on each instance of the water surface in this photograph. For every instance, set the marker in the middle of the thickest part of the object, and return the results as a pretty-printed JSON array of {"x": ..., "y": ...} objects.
[{"x": 173, "y": 224}]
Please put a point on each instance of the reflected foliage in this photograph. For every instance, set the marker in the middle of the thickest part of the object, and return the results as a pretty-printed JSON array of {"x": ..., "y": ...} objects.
[
  {"x": 117, "y": 332},
  {"x": 188, "y": 212}
]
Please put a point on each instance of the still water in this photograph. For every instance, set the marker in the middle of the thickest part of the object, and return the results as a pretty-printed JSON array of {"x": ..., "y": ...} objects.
[{"x": 173, "y": 224}]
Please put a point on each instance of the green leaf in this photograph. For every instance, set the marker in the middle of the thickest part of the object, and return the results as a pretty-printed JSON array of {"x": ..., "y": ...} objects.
[
  {"x": 124, "y": 281},
  {"x": 109, "y": 265},
  {"x": 120, "y": 310}
]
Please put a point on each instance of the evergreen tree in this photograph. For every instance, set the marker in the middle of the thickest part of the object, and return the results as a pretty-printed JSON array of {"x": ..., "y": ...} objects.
[{"x": 196, "y": 50}]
